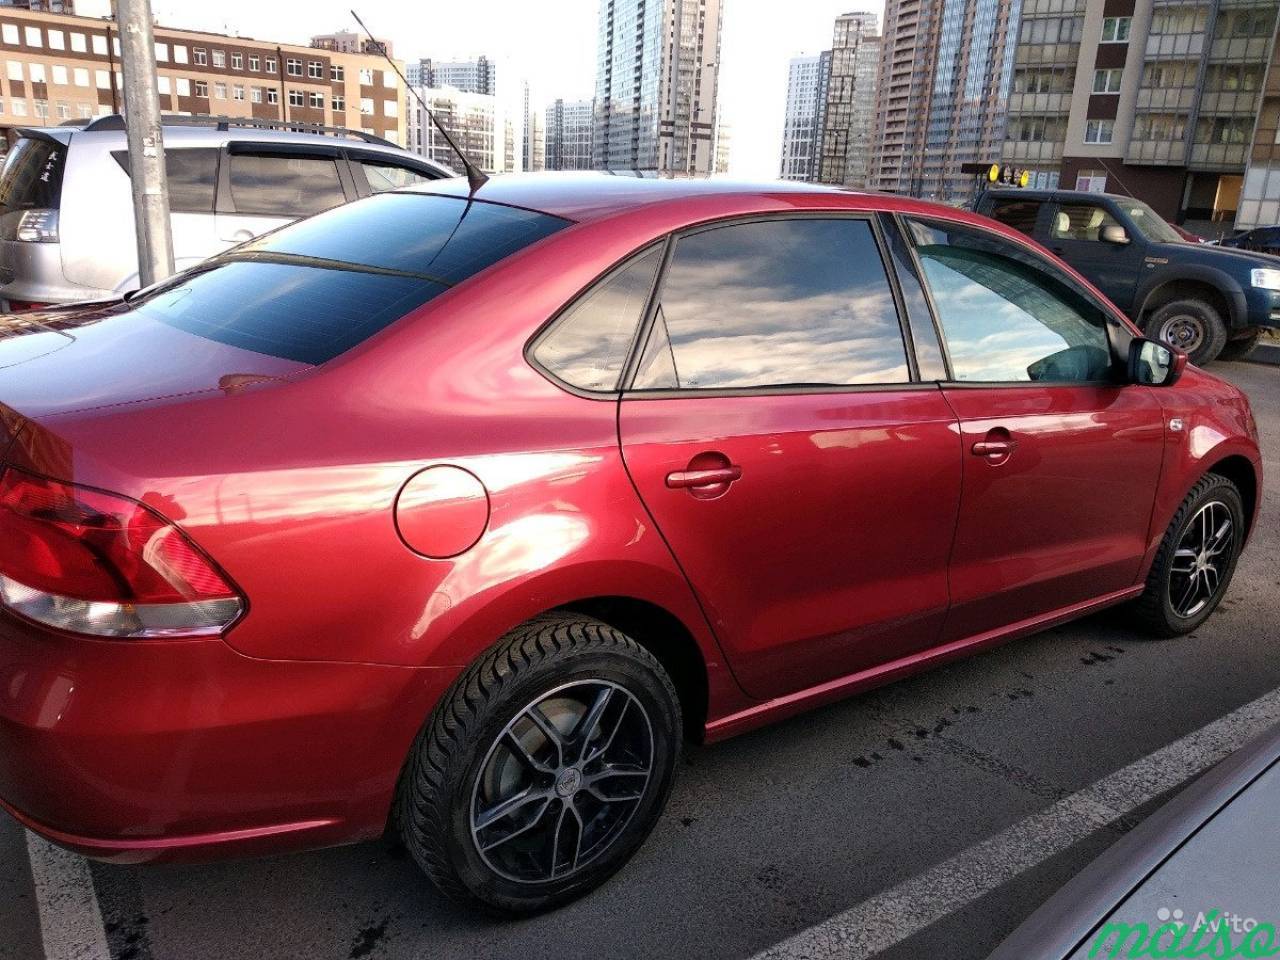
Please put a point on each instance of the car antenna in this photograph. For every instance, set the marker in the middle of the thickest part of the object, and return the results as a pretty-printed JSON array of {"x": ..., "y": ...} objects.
[{"x": 476, "y": 177}]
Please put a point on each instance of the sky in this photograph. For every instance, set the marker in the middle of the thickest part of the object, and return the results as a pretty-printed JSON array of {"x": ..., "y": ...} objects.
[{"x": 551, "y": 44}]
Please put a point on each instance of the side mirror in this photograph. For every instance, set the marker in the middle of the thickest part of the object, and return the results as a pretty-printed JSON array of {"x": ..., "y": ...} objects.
[
  {"x": 1114, "y": 233},
  {"x": 1155, "y": 364}
]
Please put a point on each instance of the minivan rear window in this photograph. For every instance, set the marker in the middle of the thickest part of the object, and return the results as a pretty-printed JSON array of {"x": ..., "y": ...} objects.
[
  {"x": 32, "y": 175},
  {"x": 311, "y": 291}
]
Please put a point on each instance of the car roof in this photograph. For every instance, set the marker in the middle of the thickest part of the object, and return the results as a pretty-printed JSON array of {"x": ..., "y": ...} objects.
[
  {"x": 1016, "y": 193},
  {"x": 584, "y": 196}
]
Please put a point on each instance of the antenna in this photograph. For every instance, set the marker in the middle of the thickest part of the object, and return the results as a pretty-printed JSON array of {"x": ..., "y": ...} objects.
[{"x": 476, "y": 177}]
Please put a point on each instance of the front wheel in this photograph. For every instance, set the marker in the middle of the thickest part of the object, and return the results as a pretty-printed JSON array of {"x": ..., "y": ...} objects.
[
  {"x": 1195, "y": 560},
  {"x": 1192, "y": 326},
  {"x": 545, "y": 767}
]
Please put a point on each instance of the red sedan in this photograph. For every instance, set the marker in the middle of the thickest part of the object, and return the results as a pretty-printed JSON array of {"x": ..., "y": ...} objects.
[{"x": 457, "y": 514}]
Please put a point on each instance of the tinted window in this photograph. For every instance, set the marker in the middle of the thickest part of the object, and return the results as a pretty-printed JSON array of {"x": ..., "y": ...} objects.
[
  {"x": 284, "y": 186},
  {"x": 588, "y": 345},
  {"x": 445, "y": 238},
  {"x": 192, "y": 176},
  {"x": 775, "y": 303},
  {"x": 1005, "y": 317},
  {"x": 32, "y": 175},
  {"x": 387, "y": 176},
  {"x": 292, "y": 295},
  {"x": 1080, "y": 221},
  {"x": 1019, "y": 214}
]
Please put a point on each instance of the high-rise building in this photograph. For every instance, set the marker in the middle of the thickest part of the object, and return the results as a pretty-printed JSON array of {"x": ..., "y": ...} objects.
[
  {"x": 724, "y": 141},
  {"x": 800, "y": 123},
  {"x": 470, "y": 76},
  {"x": 477, "y": 122},
  {"x": 533, "y": 138},
  {"x": 1146, "y": 97},
  {"x": 570, "y": 125},
  {"x": 348, "y": 41},
  {"x": 942, "y": 93},
  {"x": 1260, "y": 192},
  {"x": 843, "y": 154},
  {"x": 64, "y": 67},
  {"x": 657, "y": 69}
]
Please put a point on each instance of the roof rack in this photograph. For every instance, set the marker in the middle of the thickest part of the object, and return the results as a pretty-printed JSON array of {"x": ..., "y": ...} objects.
[{"x": 115, "y": 121}]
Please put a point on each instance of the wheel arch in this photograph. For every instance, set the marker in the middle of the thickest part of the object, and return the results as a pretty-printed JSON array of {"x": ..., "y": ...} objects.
[
  {"x": 1240, "y": 471},
  {"x": 1200, "y": 283}
]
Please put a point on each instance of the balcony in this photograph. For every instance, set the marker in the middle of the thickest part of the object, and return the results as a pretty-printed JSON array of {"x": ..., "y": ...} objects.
[
  {"x": 1222, "y": 157},
  {"x": 1160, "y": 153},
  {"x": 1166, "y": 100},
  {"x": 1179, "y": 45}
]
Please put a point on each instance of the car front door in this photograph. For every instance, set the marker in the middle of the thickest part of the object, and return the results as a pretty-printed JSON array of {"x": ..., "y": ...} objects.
[
  {"x": 805, "y": 479},
  {"x": 1075, "y": 234},
  {"x": 264, "y": 186},
  {"x": 1061, "y": 457}
]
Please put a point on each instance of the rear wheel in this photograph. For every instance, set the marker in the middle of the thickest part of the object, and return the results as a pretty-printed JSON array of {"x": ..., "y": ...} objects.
[
  {"x": 1192, "y": 326},
  {"x": 1241, "y": 347},
  {"x": 544, "y": 769},
  {"x": 1195, "y": 561}
]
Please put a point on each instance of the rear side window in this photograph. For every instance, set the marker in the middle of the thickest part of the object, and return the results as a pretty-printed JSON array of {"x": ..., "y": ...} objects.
[
  {"x": 1081, "y": 221},
  {"x": 588, "y": 345},
  {"x": 1019, "y": 214},
  {"x": 284, "y": 186},
  {"x": 192, "y": 175},
  {"x": 314, "y": 290},
  {"x": 777, "y": 303},
  {"x": 32, "y": 175},
  {"x": 388, "y": 176}
]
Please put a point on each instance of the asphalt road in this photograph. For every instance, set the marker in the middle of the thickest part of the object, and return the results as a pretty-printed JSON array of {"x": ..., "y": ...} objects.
[{"x": 778, "y": 830}]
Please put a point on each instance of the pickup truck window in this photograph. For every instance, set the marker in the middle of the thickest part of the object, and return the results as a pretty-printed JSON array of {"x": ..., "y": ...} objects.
[
  {"x": 1151, "y": 224},
  {"x": 1019, "y": 214},
  {"x": 1081, "y": 221}
]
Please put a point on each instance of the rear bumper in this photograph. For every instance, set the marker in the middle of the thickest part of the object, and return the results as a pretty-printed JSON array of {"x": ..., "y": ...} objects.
[
  {"x": 32, "y": 272},
  {"x": 186, "y": 750}
]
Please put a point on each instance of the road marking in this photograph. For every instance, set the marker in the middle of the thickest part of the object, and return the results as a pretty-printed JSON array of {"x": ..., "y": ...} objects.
[
  {"x": 70, "y": 919},
  {"x": 894, "y": 915}
]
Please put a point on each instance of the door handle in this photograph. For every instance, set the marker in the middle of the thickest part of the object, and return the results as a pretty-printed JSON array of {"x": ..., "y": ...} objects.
[
  {"x": 692, "y": 479},
  {"x": 993, "y": 448}
]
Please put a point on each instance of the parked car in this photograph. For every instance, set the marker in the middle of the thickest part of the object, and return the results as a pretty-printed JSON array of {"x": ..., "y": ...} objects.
[
  {"x": 1259, "y": 239},
  {"x": 1203, "y": 299},
  {"x": 1186, "y": 234},
  {"x": 66, "y": 205},
  {"x": 457, "y": 511},
  {"x": 1195, "y": 879}
]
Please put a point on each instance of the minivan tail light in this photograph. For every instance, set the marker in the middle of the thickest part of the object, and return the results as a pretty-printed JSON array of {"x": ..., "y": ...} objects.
[
  {"x": 38, "y": 226},
  {"x": 96, "y": 563}
]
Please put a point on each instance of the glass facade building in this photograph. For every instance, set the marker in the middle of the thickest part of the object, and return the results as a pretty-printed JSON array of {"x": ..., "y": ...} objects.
[
  {"x": 569, "y": 129},
  {"x": 800, "y": 123}
]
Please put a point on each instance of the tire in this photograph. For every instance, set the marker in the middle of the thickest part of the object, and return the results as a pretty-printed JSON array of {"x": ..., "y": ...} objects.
[
  {"x": 484, "y": 750},
  {"x": 1190, "y": 325},
  {"x": 1160, "y": 609},
  {"x": 1241, "y": 347}
]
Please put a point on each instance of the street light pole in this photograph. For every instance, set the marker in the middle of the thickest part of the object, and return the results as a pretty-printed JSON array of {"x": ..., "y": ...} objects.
[{"x": 146, "y": 141}]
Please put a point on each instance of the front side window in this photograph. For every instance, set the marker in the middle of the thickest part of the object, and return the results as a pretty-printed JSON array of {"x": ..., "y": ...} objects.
[
  {"x": 1081, "y": 221},
  {"x": 1019, "y": 214},
  {"x": 779, "y": 303},
  {"x": 1005, "y": 316},
  {"x": 588, "y": 345}
]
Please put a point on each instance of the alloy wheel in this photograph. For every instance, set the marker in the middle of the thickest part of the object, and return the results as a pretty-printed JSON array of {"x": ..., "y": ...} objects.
[
  {"x": 1201, "y": 560},
  {"x": 561, "y": 781}
]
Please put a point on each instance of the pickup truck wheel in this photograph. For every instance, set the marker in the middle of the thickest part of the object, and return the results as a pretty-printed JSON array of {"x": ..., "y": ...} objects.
[
  {"x": 1241, "y": 347},
  {"x": 1192, "y": 326}
]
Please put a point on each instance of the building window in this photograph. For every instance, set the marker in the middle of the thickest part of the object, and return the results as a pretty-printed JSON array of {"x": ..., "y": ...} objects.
[
  {"x": 271, "y": 64},
  {"x": 9, "y": 33},
  {"x": 255, "y": 94},
  {"x": 273, "y": 95},
  {"x": 57, "y": 40},
  {"x": 317, "y": 100},
  {"x": 36, "y": 72},
  {"x": 99, "y": 45},
  {"x": 315, "y": 69},
  {"x": 255, "y": 62},
  {"x": 1116, "y": 29},
  {"x": 79, "y": 43},
  {"x": 337, "y": 72},
  {"x": 389, "y": 108},
  {"x": 1098, "y": 131},
  {"x": 81, "y": 76},
  {"x": 296, "y": 99},
  {"x": 162, "y": 52},
  {"x": 219, "y": 91},
  {"x": 293, "y": 67},
  {"x": 366, "y": 106},
  {"x": 202, "y": 89},
  {"x": 388, "y": 78},
  {"x": 202, "y": 58},
  {"x": 42, "y": 109},
  {"x": 237, "y": 92},
  {"x": 179, "y": 53},
  {"x": 1092, "y": 181},
  {"x": 1107, "y": 81},
  {"x": 33, "y": 38},
  {"x": 162, "y": 85},
  {"x": 64, "y": 110},
  {"x": 219, "y": 58},
  {"x": 183, "y": 86},
  {"x": 339, "y": 103},
  {"x": 19, "y": 108},
  {"x": 237, "y": 61},
  {"x": 366, "y": 77},
  {"x": 85, "y": 110},
  {"x": 60, "y": 75},
  {"x": 15, "y": 69},
  {"x": 102, "y": 79}
]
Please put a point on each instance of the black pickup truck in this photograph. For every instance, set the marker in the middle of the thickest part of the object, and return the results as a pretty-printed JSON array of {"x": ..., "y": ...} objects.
[{"x": 1208, "y": 300}]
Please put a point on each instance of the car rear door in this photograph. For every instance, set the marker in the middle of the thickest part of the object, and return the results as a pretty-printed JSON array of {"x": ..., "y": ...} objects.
[
  {"x": 265, "y": 185},
  {"x": 1075, "y": 234},
  {"x": 776, "y": 427},
  {"x": 1061, "y": 457}
]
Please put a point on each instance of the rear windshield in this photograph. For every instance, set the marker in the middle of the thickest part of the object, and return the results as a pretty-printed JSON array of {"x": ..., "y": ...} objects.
[
  {"x": 32, "y": 175},
  {"x": 311, "y": 291}
]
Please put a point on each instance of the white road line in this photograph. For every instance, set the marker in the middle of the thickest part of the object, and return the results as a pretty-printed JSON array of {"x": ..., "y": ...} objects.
[
  {"x": 896, "y": 914},
  {"x": 70, "y": 919}
]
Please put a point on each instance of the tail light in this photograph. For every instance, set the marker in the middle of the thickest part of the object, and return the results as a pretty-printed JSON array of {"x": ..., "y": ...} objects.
[
  {"x": 37, "y": 226},
  {"x": 95, "y": 563}
]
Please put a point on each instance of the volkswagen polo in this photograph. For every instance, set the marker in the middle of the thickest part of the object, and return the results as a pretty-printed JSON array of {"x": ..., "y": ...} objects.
[{"x": 456, "y": 513}]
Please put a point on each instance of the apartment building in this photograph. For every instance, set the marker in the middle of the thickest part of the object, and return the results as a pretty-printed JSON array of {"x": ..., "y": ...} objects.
[
  {"x": 470, "y": 76},
  {"x": 569, "y": 128},
  {"x": 1162, "y": 99},
  {"x": 843, "y": 147},
  {"x": 800, "y": 124},
  {"x": 1260, "y": 192},
  {"x": 478, "y": 123},
  {"x": 59, "y": 67},
  {"x": 658, "y": 65},
  {"x": 348, "y": 41},
  {"x": 942, "y": 93}
]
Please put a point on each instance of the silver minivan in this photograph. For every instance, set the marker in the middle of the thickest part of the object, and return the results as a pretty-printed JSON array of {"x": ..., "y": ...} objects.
[{"x": 66, "y": 206}]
